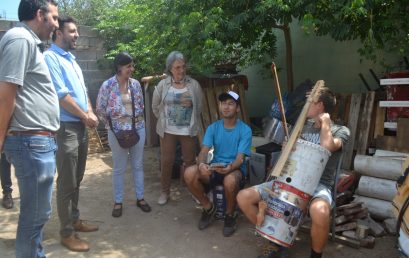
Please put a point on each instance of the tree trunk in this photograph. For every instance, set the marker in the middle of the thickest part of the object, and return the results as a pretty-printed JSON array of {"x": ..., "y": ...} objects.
[{"x": 289, "y": 57}]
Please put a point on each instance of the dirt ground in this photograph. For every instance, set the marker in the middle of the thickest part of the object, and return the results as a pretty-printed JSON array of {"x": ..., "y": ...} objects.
[{"x": 168, "y": 231}]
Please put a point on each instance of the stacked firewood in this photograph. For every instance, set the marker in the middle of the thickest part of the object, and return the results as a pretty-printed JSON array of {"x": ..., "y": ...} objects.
[{"x": 355, "y": 227}]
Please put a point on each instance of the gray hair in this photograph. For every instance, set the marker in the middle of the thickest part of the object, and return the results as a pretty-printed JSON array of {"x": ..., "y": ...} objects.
[{"x": 172, "y": 57}]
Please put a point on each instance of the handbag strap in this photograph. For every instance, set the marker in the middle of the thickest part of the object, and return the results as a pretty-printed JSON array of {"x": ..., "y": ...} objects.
[{"x": 133, "y": 113}]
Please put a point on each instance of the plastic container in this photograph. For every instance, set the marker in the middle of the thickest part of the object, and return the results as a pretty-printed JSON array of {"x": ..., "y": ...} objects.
[{"x": 219, "y": 201}]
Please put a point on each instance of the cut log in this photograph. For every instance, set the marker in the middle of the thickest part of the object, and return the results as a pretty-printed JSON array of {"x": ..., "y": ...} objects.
[
  {"x": 367, "y": 242},
  {"x": 378, "y": 188},
  {"x": 347, "y": 226},
  {"x": 362, "y": 231},
  {"x": 374, "y": 227},
  {"x": 347, "y": 241},
  {"x": 340, "y": 220},
  {"x": 352, "y": 211},
  {"x": 390, "y": 225},
  {"x": 350, "y": 234},
  {"x": 360, "y": 215},
  {"x": 349, "y": 206},
  {"x": 363, "y": 213},
  {"x": 378, "y": 209},
  {"x": 378, "y": 167}
]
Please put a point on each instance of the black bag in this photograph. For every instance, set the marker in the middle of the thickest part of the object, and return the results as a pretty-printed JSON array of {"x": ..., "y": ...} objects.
[{"x": 127, "y": 138}]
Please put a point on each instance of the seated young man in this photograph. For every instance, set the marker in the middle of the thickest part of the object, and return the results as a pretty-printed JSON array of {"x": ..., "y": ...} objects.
[
  {"x": 318, "y": 129},
  {"x": 231, "y": 139}
]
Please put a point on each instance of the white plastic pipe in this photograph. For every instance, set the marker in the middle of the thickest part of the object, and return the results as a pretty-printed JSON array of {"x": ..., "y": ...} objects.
[
  {"x": 380, "y": 167},
  {"x": 379, "y": 209},
  {"x": 378, "y": 188}
]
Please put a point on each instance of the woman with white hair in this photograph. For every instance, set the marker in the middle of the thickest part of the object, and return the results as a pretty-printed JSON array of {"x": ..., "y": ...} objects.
[{"x": 177, "y": 104}]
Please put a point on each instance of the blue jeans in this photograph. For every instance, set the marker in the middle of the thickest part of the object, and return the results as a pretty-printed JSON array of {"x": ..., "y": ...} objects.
[
  {"x": 33, "y": 158},
  {"x": 5, "y": 175},
  {"x": 120, "y": 161}
]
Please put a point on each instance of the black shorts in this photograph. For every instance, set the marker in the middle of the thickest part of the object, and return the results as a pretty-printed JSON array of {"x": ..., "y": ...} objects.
[{"x": 217, "y": 179}]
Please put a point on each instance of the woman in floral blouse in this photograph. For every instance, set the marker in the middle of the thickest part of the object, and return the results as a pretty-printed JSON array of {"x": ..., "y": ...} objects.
[{"x": 115, "y": 102}]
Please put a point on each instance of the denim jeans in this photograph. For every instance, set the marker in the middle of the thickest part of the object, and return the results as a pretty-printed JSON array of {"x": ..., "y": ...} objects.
[
  {"x": 5, "y": 174},
  {"x": 33, "y": 158},
  {"x": 120, "y": 160},
  {"x": 72, "y": 141}
]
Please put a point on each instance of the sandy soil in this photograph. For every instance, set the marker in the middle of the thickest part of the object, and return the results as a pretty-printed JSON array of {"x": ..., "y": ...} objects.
[{"x": 168, "y": 231}]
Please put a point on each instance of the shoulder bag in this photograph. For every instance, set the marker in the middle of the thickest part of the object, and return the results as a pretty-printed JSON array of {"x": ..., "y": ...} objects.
[{"x": 127, "y": 138}]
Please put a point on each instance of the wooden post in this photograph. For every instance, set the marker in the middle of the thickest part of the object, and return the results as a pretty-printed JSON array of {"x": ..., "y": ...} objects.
[
  {"x": 243, "y": 108},
  {"x": 277, "y": 92},
  {"x": 365, "y": 124},
  {"x": 148, "y": 107},
  {"x": 379, "y": 120},
  {"x": 355, "y": 107}
]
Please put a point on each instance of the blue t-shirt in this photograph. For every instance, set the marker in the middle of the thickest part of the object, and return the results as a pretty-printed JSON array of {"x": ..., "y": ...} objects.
[{"x": 228, "y": 143}]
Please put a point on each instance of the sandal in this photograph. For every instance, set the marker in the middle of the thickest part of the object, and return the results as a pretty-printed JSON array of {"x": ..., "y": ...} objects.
[
  {"x": 117, "y": 212},
  {"x": 143, "y": 205}
]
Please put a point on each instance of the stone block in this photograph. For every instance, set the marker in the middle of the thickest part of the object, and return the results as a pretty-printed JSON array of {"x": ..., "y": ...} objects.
[
  {"x": 88, "y": 31},
  {"x": 83, "y": 64},
  {"x": 96, "y": 43},
  {"x": 104, "y": 64},
  {"x": 83, "y": 41},
  {"x": 92, "y": 65},
  {"x": 95, "y": 74}
]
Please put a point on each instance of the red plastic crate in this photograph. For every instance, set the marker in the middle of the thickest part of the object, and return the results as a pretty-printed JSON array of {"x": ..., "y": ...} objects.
[{"x": 397, "y": 92}]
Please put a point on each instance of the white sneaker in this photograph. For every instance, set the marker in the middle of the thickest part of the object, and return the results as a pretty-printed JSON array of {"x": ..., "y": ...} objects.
[{"x": 163, "y": 199}]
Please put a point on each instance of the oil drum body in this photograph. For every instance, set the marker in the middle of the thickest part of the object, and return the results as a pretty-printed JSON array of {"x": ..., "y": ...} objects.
[
  {"x": 286, "y": 207},
  {"x": 304, "y": 166},
  {"x": 291, "y": 192}
]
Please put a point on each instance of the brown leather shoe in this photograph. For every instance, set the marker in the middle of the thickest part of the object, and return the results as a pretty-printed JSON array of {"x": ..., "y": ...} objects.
[
  {"x": 74, "y": 243},
  {"x": 82, "y": 226}
]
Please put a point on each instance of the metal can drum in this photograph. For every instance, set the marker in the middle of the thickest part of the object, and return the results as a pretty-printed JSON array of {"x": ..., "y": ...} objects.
[{"x": 286, "y": 207}]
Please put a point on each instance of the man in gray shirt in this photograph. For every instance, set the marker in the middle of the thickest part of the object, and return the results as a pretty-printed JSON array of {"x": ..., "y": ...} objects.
[{"x": 29, "y": 118}]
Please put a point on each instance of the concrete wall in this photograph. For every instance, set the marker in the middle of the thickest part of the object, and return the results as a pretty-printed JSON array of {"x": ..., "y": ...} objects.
[
  {"x": 90, "y": 52},
  {"x": 316, "y": 58}
]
